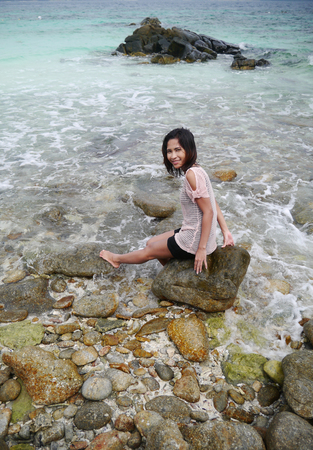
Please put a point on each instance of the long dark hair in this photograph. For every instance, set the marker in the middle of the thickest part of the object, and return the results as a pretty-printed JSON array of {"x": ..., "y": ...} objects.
[{"x": 187, "y": 142}]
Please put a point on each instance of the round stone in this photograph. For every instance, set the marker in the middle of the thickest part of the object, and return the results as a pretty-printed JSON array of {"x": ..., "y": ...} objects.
[
  {"x": 164, "y": 371},
  {"x": 93, "y": 415},
  {"x": 96, "y": 388},
  {"x": 268, "y": 395},
  {"x": 58, "y": 285},
  {"x": 9, "y": 391},
  {"x": 151, "y": 384}
]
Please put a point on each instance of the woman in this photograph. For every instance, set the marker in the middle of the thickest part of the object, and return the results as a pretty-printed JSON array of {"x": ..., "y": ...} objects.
[{"x": 197, "y": 236}]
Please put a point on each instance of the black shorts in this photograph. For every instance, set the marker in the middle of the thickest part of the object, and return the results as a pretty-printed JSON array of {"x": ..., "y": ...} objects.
[{"x": 175, "y": 249}]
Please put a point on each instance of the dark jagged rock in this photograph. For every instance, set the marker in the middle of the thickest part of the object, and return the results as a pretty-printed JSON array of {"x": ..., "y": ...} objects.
[
  {"x": 214, "y": 289},
  {"x": 152, "y": 38},
  {"x": 242, "y": 63}
]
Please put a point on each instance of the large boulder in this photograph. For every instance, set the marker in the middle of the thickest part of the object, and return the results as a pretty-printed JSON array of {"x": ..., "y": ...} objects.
[
  {"x": 80, "y": 260},
  {"x": 223, "y": 436},
  {"x": 212, "y": 290},
  {"x": 288, "y": 431},
  {"x": 298, "y": 382},
  {"x": 47, "y": 379}
]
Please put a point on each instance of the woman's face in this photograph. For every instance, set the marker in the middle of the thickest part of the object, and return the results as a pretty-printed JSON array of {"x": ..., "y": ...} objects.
[{"x": 176, "y": 154}]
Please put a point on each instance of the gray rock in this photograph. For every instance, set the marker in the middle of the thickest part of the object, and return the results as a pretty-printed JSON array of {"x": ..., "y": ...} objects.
[
  {"x": 93, "y": 415},
  {"x": 97, "y": 388},
  {"x": 212, "y": 290},
  {"x": 104, "y": 325},
  {"x": 79, "y": 260},
  {"x": 30, "y": 295},
  {"x": 68, "y": 432},
  {"x": 70, "y": 411},
  {"x": 151, "y": 384},
  {"x": 170, "y": 408},
  {"x": 120, "y": 380},
  {"x": 96, "y": 305},
  {"x": 164, "y": 371},
  {"x": 24, "y": 432},
  {"x": 54, "y": 433},
  {"x": 288, "y": 431},
  {"x": 308, "y": 330},
  {"x": 298, "y": 382},
  {"x": 4, "y": 375},
  {"x": 199, "y": 416},
  {"x": 152, "y": 205},
  {"x": 220, "y": 400},
  {"x": 145, "y": 421},
  {"x": 223, "y": 436},
  {"x": 58, "y": 285},
  {"x": 5, "y": 417},
  {"x": 42, "y": 421},
  {"x": 165, "y": 436}
]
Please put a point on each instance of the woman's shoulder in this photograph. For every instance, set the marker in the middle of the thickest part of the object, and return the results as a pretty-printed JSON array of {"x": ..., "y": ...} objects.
[{"x": 197, "y": 169}]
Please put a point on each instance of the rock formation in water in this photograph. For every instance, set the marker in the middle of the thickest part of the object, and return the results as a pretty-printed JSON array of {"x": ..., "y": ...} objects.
[
  {"x": 212, "y": 290},
  {"x": 171, "y": 45}
]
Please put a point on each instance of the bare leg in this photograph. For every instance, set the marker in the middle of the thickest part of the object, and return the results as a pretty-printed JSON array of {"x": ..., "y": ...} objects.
[{"x": 156, "y": 248}]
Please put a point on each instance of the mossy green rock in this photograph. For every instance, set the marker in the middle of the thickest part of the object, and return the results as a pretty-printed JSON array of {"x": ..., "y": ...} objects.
[
  {"x": 18, "y": 335},
  {"x": 217, "y": 331},
  {"x": 274, "y": 370},
  {"x": 244, "y": 367},
  {"x": 22, "y": 405},
  {"x": 22, "y": 447}
]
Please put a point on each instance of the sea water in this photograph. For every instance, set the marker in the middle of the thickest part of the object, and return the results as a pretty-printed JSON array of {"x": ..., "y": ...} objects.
[{"x": 80, "y": 129}]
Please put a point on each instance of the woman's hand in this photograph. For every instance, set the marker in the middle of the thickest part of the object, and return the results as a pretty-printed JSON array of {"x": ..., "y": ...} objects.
[
  {"x": 200, "y": 258},
  {"x": 228, "y": 239}
]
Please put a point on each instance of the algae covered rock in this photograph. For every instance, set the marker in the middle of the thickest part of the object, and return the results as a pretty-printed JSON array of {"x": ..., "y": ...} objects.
[
  {"x": 20, "y": 334},
  {"x": 274, "y": 370},
  {"x": 214, "y": 289},
  {"x": 244, "y": 367},
  {"x": 217, "y": 331},
  {"x": 22, "y": 405}
]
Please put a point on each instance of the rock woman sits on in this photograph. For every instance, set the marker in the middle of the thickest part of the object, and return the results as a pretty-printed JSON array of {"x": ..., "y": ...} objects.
[{"x": 197, "y": 236}]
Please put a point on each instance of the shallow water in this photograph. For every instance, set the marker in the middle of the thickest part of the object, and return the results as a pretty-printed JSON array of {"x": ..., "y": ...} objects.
[{"x": 80, "y": 128}]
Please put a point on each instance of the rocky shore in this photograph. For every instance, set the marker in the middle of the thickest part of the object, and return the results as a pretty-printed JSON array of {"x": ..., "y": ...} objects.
[
  {"x": 82, "y": 368},
  {"x": 171, "y": 45}
]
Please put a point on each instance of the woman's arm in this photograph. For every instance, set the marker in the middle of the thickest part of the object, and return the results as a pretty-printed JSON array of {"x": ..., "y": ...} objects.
[
  {"x": 206, "y": 224},
  {"x": 206, "y": 208},
  {"x": 228, "y": 239}
]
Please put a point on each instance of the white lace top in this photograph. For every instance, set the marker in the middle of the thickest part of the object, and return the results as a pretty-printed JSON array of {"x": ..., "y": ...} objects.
[{"x": 188, "y": 237}]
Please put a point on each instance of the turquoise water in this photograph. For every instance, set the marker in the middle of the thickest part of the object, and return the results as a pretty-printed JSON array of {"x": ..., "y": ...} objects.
[{"x": 80, "y": 128}]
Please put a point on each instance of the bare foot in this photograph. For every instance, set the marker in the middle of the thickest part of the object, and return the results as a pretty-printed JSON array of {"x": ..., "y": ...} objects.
[{"x": 108, "y": 256}]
